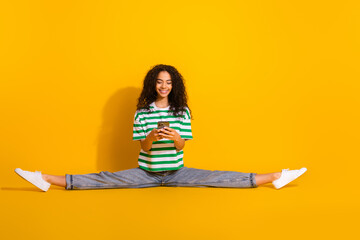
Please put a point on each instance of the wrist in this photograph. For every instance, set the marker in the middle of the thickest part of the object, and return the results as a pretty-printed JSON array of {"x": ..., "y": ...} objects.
[
  {"x": 177, "y": 138},
  {"x": 149, "y": 138}
]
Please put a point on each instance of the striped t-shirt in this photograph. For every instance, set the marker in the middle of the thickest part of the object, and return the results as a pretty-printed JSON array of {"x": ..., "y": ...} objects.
[{"x": 163, "y": 155}]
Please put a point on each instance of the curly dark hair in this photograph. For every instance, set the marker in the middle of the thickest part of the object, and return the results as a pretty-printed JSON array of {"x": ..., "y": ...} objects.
[{"x": 177, "y": 97}]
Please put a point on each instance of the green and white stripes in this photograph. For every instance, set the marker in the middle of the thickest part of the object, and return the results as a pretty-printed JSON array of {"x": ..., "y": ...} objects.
[{"x": 163, "y": 155}]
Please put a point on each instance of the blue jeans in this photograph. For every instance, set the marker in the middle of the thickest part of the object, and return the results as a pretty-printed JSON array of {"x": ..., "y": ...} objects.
[{"x": 139, "y": 178}]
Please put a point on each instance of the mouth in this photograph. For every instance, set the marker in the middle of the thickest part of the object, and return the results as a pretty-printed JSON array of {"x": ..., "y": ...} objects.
[{"x": 163, "y": 91}]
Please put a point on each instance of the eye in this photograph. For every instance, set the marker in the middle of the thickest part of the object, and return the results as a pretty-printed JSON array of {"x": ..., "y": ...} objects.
[{"x": 169, "y": 82}]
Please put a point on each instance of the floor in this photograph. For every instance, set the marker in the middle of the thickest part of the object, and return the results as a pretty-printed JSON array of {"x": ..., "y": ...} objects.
[{"x": 301, "y": 210}]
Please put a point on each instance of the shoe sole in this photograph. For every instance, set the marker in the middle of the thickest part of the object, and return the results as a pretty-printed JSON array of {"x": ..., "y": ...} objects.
[
  {"x": 291, "y": 180},
  {"x": 35, "y": 183}
]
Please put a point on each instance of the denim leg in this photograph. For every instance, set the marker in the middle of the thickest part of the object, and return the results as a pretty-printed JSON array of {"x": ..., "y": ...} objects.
[
  {"x": 192, "y": 177},
  {"x": 131, "y": 178}
]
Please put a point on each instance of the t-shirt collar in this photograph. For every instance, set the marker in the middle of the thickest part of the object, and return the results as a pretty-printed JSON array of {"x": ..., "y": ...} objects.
[{"x": 157, "y": 108}]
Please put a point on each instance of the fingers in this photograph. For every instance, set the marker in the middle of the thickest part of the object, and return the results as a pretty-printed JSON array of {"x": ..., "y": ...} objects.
[
  {"x": 155, "y": 134},
  {"x": 167, "y": 130},
  {"x": 158, "y": 136},
  {"x": 168, "y": 136}
]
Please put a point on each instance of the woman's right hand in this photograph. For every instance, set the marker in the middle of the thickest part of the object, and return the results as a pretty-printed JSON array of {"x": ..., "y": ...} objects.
[{"x": 154, "y": 135}]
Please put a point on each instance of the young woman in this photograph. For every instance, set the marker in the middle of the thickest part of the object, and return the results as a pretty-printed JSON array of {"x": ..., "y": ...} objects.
[{"x": 163, "y": 101}]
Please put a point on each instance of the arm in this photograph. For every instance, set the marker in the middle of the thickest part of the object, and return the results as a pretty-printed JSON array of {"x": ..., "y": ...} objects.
[{"x": 179, "y": 144}]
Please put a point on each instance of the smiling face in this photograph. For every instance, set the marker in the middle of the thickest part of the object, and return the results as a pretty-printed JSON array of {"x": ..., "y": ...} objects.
[{"x": 163, "y": 84}]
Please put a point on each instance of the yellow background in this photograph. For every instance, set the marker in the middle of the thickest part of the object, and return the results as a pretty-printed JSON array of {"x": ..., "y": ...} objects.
[{"x": 272, "y": 85}]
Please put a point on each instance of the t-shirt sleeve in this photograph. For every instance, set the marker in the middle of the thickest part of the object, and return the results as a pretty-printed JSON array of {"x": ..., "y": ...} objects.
[
  {"x": 138, "y": 127},
  {"x": 185, "y": 130}
]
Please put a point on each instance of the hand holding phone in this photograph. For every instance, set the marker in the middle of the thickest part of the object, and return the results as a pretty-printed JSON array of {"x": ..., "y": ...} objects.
[
  {"x": 154, "y": 135},
  {"x": 169, "y": 133}
]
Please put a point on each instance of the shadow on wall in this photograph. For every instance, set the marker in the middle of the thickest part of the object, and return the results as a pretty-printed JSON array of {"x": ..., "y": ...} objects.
[{"x": 116, "y": 149}]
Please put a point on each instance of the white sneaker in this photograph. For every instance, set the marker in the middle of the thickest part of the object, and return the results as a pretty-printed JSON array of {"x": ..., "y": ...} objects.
[
  {"x": 288, "y": 176},
  {"x": 34, "y": 178}
]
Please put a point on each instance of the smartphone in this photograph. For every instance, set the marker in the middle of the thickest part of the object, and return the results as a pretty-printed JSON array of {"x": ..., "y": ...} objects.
[{"x": 163, "y": 124}]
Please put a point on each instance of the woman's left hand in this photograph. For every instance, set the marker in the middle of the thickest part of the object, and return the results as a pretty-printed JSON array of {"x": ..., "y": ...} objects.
[{"x": 169, "y": 133}]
